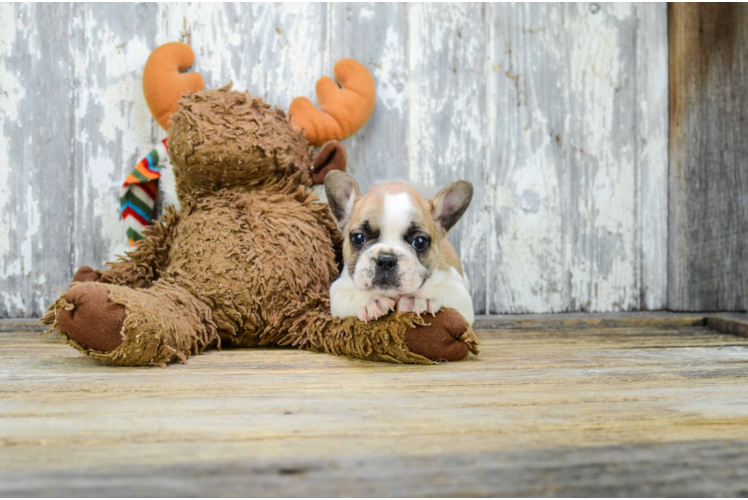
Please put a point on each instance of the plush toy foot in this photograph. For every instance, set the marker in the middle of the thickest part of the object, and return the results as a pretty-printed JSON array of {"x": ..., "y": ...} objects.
[
  {"x": 91, "y": 318},
  {"x": 122, "y": 326},
  {"x": 85, "y": 274},
  {"x": 446, "y": 337}
]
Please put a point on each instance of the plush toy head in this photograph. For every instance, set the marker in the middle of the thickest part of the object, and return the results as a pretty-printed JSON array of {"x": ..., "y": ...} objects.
[
  {"x": 224, "y": 139},
  {"x": 227, "y": 139}
]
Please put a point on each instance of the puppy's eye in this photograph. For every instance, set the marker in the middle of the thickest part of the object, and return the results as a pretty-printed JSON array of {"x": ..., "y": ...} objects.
[
  {"x": 358, "y": 239},
  {"x": 420, "y": 243}
]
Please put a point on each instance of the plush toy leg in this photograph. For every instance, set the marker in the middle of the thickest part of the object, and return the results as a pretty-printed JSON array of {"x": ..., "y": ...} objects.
[
  {"x": 122, "y": 326},
  {"x": 445, "y": 337},
  {"x": 398, "y": 338}
]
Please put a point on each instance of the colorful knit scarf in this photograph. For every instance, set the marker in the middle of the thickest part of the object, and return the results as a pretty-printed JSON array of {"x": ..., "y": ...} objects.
[{"x": 138, "y": 195}]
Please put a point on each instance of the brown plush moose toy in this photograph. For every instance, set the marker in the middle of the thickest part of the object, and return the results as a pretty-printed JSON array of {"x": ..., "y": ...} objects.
[{"x": 249, "y": 257}]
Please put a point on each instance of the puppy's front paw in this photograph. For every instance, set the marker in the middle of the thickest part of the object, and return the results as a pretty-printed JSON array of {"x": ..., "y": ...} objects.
[
  {"x": 405, "y": 304},
  {"x": 433, "y": 306},
  {"x": 411, "y": 304},
  {"x": 376, "y": 308},
  {"x": 418, "y": 305}
]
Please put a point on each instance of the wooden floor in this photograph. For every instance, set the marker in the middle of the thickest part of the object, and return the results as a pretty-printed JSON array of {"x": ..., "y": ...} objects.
[{"x": 576, "y": 409}]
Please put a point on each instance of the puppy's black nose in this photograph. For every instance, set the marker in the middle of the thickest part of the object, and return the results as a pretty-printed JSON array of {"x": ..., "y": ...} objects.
[{"x": 386, "y": 261}]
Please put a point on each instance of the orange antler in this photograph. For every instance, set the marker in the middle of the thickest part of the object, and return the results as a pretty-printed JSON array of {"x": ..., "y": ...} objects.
[
  {"x": 343, "y": 110},
  {"x": 164, "y": 85}
]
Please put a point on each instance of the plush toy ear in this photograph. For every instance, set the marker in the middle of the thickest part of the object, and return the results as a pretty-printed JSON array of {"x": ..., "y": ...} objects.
[
  {"x": 163, "y": 82},
  {"x": 450, "y": 203},
  {"x": 342, "y": 191},
  {"x": 331, "y": 157}
]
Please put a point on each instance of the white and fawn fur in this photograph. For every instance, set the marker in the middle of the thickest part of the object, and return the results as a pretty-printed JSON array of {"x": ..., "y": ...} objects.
[{"x": 386, "y": 263}]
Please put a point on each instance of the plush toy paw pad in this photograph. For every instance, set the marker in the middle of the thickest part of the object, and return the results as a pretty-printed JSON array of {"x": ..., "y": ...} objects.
[
  {"x": 85, "y": 274},
  {"x": 441, "y": 339},
  {"x": 91, "y": 318}
]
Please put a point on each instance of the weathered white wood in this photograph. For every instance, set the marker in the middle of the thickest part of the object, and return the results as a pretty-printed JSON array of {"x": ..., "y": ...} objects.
[
  {"x": 556, "y": 113},
  {"x": 564, "y": 168},
  {"x": 446, "y": 132},
  {"x": 652, "y": 151},
  {"x": 526, "y": 183},
  {"x": 112, "y": 128},
  {"x": 277, "y": 51},
  {"x": 601, "y": 223},
  {"x": 377, "y": 36},
  {"x": 36, "y": 171}
]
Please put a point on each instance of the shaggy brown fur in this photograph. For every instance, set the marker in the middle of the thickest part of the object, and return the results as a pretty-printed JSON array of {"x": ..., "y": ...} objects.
[{"x": 247, "y": 261}]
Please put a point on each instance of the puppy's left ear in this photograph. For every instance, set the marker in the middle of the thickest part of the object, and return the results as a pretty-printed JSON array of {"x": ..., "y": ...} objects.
[
  {"x": 450, "y": 203},
  {"x": 342, "y": 191}
]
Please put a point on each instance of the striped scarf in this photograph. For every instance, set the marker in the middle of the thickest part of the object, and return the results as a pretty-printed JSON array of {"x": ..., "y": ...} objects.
[{"x": 138, "y": 194}]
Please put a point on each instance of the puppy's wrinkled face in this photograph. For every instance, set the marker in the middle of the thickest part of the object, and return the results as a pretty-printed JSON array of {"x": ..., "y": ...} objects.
[
  {"x": 392, "y": 234},
  {"x": 392, "y": 246}
]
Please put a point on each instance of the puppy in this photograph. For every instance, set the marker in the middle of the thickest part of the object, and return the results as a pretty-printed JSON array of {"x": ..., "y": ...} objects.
[{"x": 395, "y": 249}]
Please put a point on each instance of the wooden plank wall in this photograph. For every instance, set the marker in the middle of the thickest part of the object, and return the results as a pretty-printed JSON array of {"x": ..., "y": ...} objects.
[
  {"x": 708, "y": 263},
  {"x": 557, "y": 114}
]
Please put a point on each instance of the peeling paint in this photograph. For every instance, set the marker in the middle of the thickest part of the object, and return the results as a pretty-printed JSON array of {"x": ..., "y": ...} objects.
[
  {"x": 391, "y": 80},
  {"x": 11, "y": 92}
]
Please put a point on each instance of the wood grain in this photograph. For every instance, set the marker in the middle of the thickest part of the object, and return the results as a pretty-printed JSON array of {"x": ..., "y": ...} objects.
[
  {"x": 582, "y": 120},
  {"x": 556, "y": 113},
  {"x": 651, "y": 152},
  {"x": 446, "y": 125},
  {"x": 639, "y": 411},
  {"x": 688, "y": 469},
  {"x": 377, "y": 36},
  {"x": 708, "y": 258},
  {"x": 525, "y": 176},
  {"x": 36, "y": 114},
  {"x": 601, "y": 223}
]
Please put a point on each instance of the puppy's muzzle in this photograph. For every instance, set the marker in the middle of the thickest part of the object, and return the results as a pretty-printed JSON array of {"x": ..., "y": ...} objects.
[{"x": 385, "y": 273}]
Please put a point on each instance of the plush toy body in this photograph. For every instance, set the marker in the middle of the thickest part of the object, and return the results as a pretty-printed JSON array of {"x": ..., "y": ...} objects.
[{"x": 247, "y": 260}]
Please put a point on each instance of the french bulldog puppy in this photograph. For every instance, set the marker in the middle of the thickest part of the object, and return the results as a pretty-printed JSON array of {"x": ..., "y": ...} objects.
[{"x": 395, "y": 249}]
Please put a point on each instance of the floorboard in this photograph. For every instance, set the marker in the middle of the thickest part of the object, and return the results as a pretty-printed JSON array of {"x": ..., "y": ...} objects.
[{"x": 644, "y": 410}]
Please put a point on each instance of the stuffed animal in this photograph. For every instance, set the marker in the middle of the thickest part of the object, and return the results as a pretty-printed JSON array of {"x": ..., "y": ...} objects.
[{"x": 249, "y": 257}]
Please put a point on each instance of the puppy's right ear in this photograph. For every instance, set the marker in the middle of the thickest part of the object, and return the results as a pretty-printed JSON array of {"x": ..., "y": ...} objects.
[
  {"x": 450, "y": 203},
  {"x": 342, "y": 191}
]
